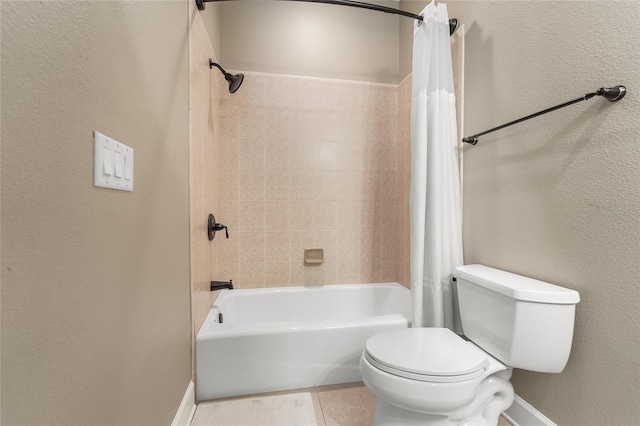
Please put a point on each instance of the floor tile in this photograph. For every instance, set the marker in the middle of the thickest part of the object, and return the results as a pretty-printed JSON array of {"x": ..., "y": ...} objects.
[
  {"x": 318, "y": 409},
  {"x": 347, "y": 405},
  {"x": 295, "y": 409},
  {"x": 503, "y": 422},
  {"x": 337, "y": 405}
]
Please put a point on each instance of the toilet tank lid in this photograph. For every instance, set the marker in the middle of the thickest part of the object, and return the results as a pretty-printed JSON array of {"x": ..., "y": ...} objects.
[{"x": 516, "y": 286}]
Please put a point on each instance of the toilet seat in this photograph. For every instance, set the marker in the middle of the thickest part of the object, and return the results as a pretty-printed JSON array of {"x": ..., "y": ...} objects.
[{"x": 427, "y": 354}]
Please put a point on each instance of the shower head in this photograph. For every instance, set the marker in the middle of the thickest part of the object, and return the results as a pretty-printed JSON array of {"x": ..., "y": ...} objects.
[{"x": 234, "y": 80}]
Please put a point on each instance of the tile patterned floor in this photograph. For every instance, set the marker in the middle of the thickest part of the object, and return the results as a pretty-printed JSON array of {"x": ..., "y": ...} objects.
[{"x": 338, "y": 405}]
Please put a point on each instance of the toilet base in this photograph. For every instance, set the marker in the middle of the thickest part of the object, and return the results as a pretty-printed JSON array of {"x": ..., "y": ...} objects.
[
  {"x": 390, "y": 415},
  {"x": 494, "y": 396}
]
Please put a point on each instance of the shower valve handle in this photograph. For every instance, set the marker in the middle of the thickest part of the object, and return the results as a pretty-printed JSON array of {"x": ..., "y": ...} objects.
[{"x": 213, "y": 226}]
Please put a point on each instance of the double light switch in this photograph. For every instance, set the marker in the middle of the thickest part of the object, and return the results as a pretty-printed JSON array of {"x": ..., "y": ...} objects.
[{"x": 113, "y": 163}]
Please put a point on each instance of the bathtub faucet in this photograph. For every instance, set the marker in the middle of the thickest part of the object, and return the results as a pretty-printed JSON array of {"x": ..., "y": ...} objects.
[{"x": 219, "y": 285}]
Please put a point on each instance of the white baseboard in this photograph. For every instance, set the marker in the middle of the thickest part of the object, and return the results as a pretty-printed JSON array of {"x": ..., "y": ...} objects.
[
  {"x": 521, "y": 413},
  {"x": 187, "y": 408}
]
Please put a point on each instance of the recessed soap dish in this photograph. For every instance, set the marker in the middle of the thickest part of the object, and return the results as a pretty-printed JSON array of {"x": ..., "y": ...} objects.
[{"x": 313, "y": 256}]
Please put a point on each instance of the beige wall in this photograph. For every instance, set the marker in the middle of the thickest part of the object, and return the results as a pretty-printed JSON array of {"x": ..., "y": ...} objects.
[
  {"x": 316, "y": 40},
  {"x": 95, "y": 296},
  {"x": 557, "y": 198},
  {"x": 307, "y": 163}
]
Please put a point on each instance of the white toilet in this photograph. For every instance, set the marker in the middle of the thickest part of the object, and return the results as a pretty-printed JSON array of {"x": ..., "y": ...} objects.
[{"x": 432, "y": 376}]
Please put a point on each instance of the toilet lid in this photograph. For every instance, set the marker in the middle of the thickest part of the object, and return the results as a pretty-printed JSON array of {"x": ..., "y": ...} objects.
[{"x": 427, "y": 354}]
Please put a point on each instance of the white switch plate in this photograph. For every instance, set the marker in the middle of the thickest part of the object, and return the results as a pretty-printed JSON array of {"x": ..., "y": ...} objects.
[{"x": 113, "y": 163}]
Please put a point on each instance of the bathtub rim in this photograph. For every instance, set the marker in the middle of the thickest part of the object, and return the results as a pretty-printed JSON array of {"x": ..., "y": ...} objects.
[{"x": 212, "y": 329}]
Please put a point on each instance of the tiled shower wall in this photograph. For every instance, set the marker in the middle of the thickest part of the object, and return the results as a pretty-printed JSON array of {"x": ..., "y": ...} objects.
[
  {"x": 204, "y": 104},
  {"x": 308, "y": 163},
  {"x": 404, "y": 179}
]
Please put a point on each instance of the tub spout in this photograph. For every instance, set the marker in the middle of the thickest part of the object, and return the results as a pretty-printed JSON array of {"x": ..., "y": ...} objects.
[{"x": 219, "y": 285}]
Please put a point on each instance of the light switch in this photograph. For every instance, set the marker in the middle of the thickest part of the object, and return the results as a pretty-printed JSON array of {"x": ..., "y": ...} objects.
[
  {"x": 128, "y": 166},
  {"x": 119, "y": 164},
  {"x": 113, "y": 163},
  {"x": 107, "y": 166}
]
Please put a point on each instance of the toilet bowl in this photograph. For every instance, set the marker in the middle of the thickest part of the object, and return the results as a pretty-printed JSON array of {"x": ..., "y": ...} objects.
[
  {"x": 451, "y": 374},
  {"x": 432, "y": 376}
]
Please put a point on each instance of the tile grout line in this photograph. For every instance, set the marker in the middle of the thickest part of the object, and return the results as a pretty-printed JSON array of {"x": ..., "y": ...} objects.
[{"x": 324, "y": 421}]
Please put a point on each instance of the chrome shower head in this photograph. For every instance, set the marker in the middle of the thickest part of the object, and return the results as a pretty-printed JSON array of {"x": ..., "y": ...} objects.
[{"x": 234, "y": 80}]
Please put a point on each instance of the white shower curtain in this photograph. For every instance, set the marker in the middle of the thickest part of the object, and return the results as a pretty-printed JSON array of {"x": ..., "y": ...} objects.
[{"x": 436, "y": 224}]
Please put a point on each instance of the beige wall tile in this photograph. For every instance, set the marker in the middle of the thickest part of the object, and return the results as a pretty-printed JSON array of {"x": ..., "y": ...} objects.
[
  {"x": 326, "y": 183},
  {"x": 250, "y": 247},
  {"x": 276, "y": 184},
  {"x": 320, "y": 274},
  {"x": 349, "y": 156},
  {"x": 348, "y": 185},
  {"x": 325, "y": 156},
  {"x": 228, "y": 183},
  {"x": 229, "y": 249},
  {"x": 276, "y": 154},
  {"x": 251, "y": 184},
  {"x": 251, "y": 123},
  {"x": 213, "y": 142},
  {"x": 328, "y": 242},
  {"x": 276, "y": 215},
  {"x": 196, "y": 223},
  {"x": 298, "y": 160},
  {"x": 302, "y": 155},
  {"x": 229, "y": 271},
  {"x": 348, "y": 244},
  {"x": 229, "y": 123},
  {"x": 276, "y": 274},
  {"x": 369, "y": 270},
  {"x": 251, "y": 215},
  {"x": 296, "y": 273},
  {"x": 325, "y": 215},
  {"x": 277, "y": 124},
  {"x": 302, "y": 184},
  {"x": 251, "y": 275},
  {"x": 367, "y": 214},
  {"x": 369, "y": 241},
  {"x": 348, "y": 271},
  {"x": 301, "y": 212},
  {"x": 251, "y": 154},
  {"x": 277, "y": 246},
  {"x": 298, "y": 242},
  {"x": 227, "y": 213},
  {"x": 348, "y": 214}
]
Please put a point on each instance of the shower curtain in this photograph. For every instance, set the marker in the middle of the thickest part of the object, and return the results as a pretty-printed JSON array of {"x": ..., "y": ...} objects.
[{"x": 436, "y": 224}]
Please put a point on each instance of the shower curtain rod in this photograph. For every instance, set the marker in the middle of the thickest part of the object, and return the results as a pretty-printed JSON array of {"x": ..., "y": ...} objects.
[
  {"x": 612, "y": 94},
  {"x": 453, "y": 23}
]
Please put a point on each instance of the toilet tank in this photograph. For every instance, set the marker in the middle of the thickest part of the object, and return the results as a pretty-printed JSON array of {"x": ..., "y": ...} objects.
[{"x": 523, "y": 322}]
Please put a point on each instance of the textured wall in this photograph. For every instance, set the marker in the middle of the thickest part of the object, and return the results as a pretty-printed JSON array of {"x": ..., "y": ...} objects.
[
  {"x": 556, "y": 198},
  {"x": 95, "y": 296},
  {"x": 316, "y": 40},
  {"x": 307, "y": 163}
]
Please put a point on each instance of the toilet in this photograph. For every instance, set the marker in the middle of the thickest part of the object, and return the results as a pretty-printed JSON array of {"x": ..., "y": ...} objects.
[{"x": 433, "y": 376}]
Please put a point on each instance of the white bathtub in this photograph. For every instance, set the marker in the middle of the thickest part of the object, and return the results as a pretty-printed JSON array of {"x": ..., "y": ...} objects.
[{"x": 293, "y": 337}]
